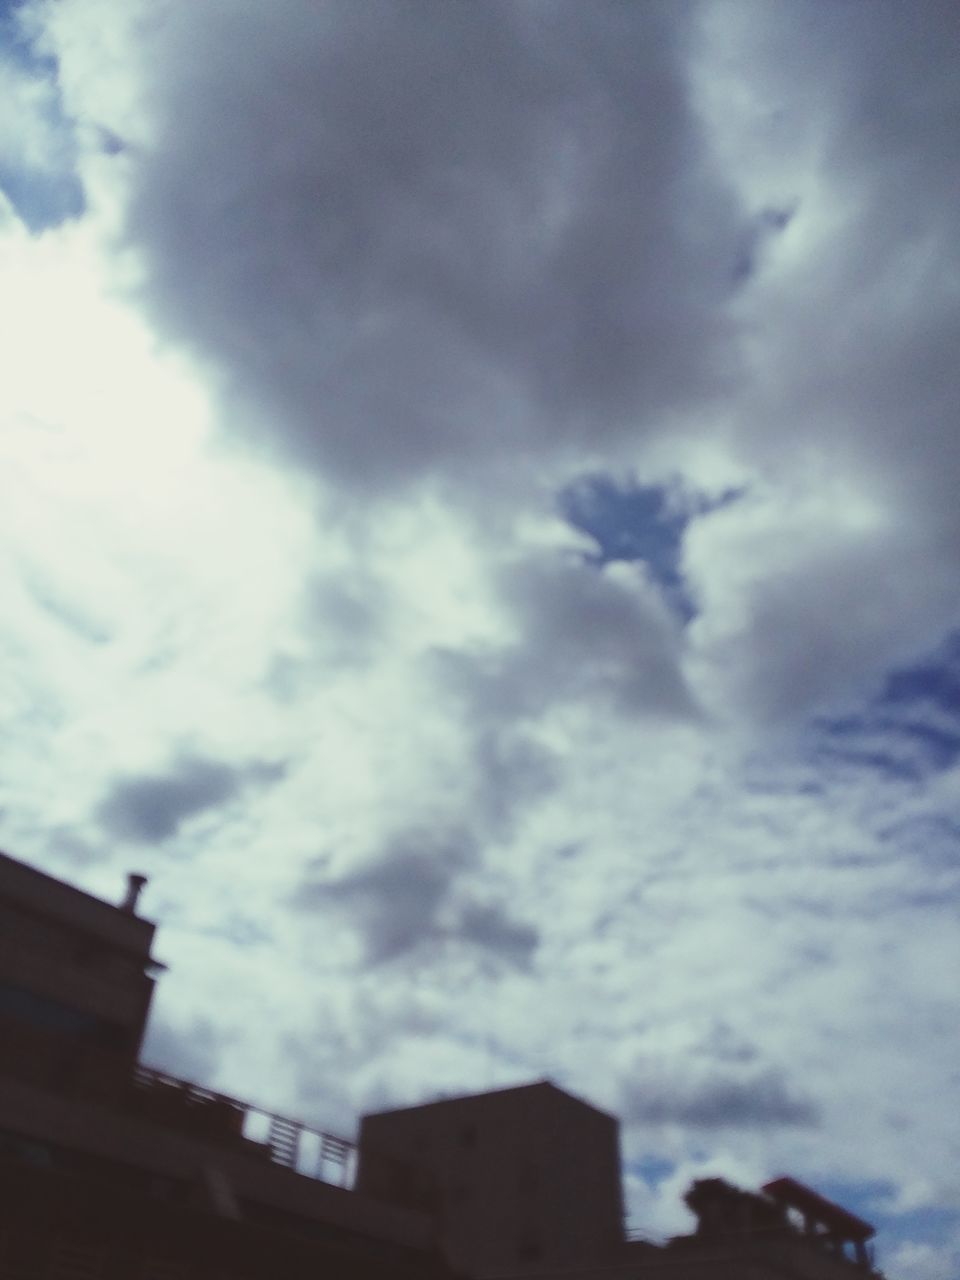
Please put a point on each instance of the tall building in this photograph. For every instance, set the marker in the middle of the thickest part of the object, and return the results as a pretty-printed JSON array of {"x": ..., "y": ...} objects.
[{"x": 112, "y": 1170}]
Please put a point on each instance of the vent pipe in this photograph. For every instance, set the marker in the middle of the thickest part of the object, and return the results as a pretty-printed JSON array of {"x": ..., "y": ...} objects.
[{"x": 135, "y": 885}]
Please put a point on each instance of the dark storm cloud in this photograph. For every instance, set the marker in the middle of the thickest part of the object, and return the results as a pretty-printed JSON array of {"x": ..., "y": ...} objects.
[
  {"x": 758, "y": 1102},
  {"x": 411, "y": 896},
  {"x": 152, "y": 807},
  {"x": 415, "y": 233}
]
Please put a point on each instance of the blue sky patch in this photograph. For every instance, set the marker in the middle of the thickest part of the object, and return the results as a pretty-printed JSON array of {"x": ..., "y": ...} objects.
[
  {"x": 635, "y": 522},
  {"x": 46, "y": 194},
  {"x": 910, "y": 730},
  {"x": 17, "y": 47},
  {"x": 936, "y": 679},
  {"x": 861, "y": 1198},
  {"x": 869, "y": 1199},
  {"x": 652, "y": 1169},
  {"x": 40, "y": 199}
]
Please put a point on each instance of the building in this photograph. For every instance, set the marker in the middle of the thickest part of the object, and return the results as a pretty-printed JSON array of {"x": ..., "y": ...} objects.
[
  {"x": 111, "y": 1170},
  {"x": 76, "y": 981},
  {"x": 528, "y": 1175},
  {"x": 527, "y": 1183},
  {"x": 785, "y": 1229}
]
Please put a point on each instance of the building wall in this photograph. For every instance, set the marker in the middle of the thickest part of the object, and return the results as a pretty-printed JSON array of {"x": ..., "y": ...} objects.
[
  {"x": 64, "y": 1226},
  {"x": 74, "y": 971},
  {"x": 521, "y": 1176},
  {"x": 65, "y": 1129}
]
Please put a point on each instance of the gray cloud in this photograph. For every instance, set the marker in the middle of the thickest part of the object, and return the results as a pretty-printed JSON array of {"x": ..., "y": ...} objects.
[
  {"x": 854, "y": 379},
  {"x": 490, "y": 927},
  {"x": 512, "y": 772},
  {"x": 394, "y": 901},
  {"x": 413, "y": 895},
  {"x": 721, "y": 1101},
  {"x": 437, "y": 231},
  {"x": 341, "y": 625},
  {"x": 152, "y": 807},
  {"x": 583, "y": 634},
  {"x": 347, "y": 613}
]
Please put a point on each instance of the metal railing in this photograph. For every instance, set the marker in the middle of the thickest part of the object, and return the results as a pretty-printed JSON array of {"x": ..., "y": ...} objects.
[{"x": 206, "y": 1113}]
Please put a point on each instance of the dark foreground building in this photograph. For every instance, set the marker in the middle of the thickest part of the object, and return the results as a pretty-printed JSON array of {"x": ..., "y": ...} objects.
[{"x": 110, "y": 1170}]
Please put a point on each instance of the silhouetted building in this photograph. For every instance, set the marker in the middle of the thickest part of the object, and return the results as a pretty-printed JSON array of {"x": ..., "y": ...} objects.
[
  {"x": 528, "y": 1184},
  {"x": 76, "y": 980},
  {"x": 785, "y": 1230},
  {"x": 111, "y": 1170},
  {"x": 529, "y": 1174}
]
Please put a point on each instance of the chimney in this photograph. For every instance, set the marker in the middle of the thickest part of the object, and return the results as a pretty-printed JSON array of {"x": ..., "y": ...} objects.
[{"x": 135, "y": 885}]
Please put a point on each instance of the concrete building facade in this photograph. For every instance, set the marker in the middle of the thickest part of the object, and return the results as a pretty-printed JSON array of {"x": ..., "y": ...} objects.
[{"x": 526, "y": 1175}]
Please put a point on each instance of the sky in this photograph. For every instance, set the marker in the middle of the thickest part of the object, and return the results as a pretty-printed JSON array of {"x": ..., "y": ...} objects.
[{"x": 479, "y": 531}]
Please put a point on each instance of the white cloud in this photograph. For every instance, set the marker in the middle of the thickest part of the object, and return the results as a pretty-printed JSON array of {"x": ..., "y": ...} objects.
[{"x": 925, "y": 1261}]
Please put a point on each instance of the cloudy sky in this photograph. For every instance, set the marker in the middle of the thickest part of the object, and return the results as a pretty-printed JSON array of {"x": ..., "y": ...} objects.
[{"x": 480, "y": 531}]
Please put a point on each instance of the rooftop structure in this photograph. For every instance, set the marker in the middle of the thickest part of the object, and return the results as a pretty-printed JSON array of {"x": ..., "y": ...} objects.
[
  {"x": 76, "y": 981},
  {"x": 786, "y": 1227},
  {"x": 837, "y": 1230},
  {"x": 542, "y": 1165},
  {"x": 113, "y": 1170}
]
